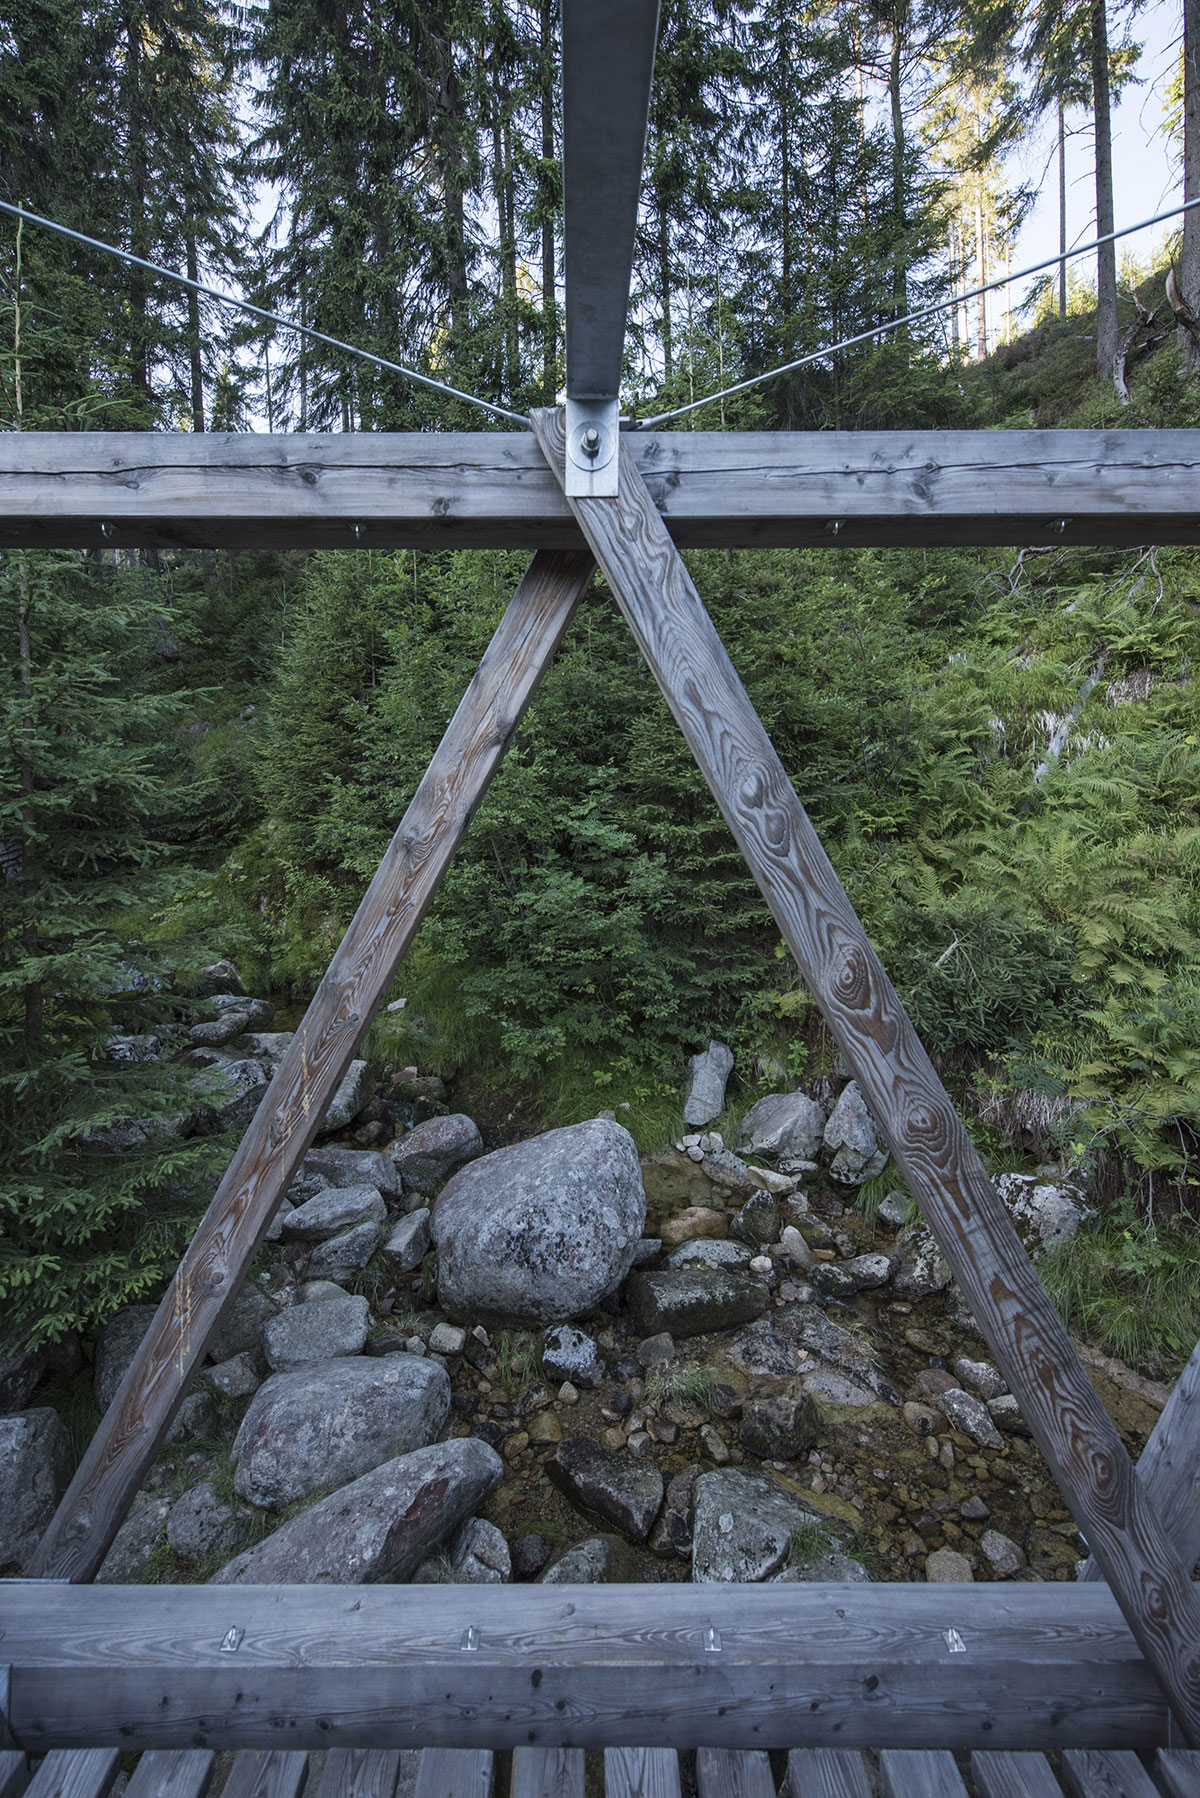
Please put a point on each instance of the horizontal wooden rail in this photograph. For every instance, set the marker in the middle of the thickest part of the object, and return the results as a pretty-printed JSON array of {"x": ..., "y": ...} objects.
[
  {"x": 459, "y": 490},
  {"x": 903, "y": 1666}
]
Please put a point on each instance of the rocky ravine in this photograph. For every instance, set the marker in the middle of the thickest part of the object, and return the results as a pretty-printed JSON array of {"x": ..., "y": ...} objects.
[{"x": 558, "y": 1362}]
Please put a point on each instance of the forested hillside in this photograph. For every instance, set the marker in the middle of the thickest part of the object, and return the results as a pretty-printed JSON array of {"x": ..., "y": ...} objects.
[{"x": 204, "y": 755}]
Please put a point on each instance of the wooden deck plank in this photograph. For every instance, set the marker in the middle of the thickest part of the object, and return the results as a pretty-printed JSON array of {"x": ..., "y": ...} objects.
[
  {"x": 1178, "y": 1772},
  {"x": 474, "y": 490},
  {"x": 898, "y": 1080},
  {"x": 1042, "y": 1666},
  {"x": 726, "y": 1773},
  {"x": 920, "y": 1773},
  {"x": 454, "y": 1773},
  {"x": 827, "y": 1773},
  {"x": 1094, "y": 1773},
  {"x": 641, "y": 1773},
  {"x": 75, "y": 1773},
  {"x": 289, "y": 1116},
  {"x": 14, "y": 1773},
  {"x": 184, "y": 1773},
  {"x": 547, "y": 1773},
  {"x": 266, "y": 1773},
  {"x": 1013, "y": 1776},
  {"x": 360, "y": 1773}
]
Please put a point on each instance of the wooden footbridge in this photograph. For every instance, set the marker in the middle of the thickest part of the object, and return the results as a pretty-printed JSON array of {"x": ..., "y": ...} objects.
[{"x": 1104, "y": 1674}]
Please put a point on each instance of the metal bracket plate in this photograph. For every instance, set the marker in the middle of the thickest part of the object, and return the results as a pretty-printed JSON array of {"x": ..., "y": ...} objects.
[{"x": 593, "y": 428}]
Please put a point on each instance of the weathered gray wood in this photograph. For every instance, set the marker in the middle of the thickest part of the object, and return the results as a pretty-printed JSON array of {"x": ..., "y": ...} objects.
[
  {"x": 266, "y": 1773},
  {"x": 641, "y": 1773},
  {"x": 920, "y": 1773},
  {"x": 1013, "y": 1776},
  {"x": 1044, "y": 1666},
  {"x": 76, "y": 1773},
  {"x": 726, "y": 1773},
  {"x": 1178, "y": 1772},
  {"x": 449, "y": 490},
  {"x": 827, "y": 1773},
  {"x": 360, "y": 1773},
  {"x": 547, "y": 1773},
  {"x": 454, "y": 1773},
  {"x": 1093, "y": 1773},
  {"x": 14, "y": 1774},
  {"x": 897, "y": 1078},
  {"x": 1169, "y": 1468},
  {"x": 329, "y": 1036},
  {"x": 185, "y": 1773}
]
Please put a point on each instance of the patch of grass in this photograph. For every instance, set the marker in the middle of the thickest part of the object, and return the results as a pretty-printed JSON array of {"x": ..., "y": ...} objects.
[
  {"x": 1132, "y": 1288},
  {"x": 518, "y": 1363},
  {"x": 809, "y": 1542},
  {"x": 681, "y": 1380}
]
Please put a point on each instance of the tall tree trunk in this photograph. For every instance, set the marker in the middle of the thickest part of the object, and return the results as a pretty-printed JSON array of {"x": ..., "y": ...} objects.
[
  {"x": 448, "y": 146},
  {"x": 508, "y": 212},
  {"x": 981, "y": 330},
  {"x": 1107, "y": 331},
  {"x": 664, "y": 281},
  {"x": 1189, "y": 259},
  {"x": 139, "y": 358},
  {"x": 35, "y": 999},
  {"x": 1062, "y": 210},
  {"x": 899, "y": 222},
  {"x": 193, "y": 312},
  {"x": 954, "y": 284},
  {"x": 549, "y": 259}
]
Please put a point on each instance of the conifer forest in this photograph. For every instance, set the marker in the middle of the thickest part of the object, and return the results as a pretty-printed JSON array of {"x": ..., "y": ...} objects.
[{"x": 204, "y": 754}]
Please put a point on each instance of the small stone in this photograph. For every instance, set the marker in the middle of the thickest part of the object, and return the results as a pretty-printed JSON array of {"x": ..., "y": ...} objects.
[
  {"x": 409, "y": 1242},
  {"x": 196, "y": 1417},
  {"x": 346, "y": 1254},
  {"x": 946, "y": 1567},
  {"x": 709, "y": 1251},
  {"x": 869, "y": 1271},
  {"x": 833, "y": 1280},
  {"x": 352, "y": 1094},
  {"x": 922, "y": 1418},
  {"x": 545, "y": 1427},
  {"x": 780, "y": 1428},
  {"x": 613, "y": 1438},
  {"x": 515, "y": 1445},
  {"x": 656, "y": 1351},
  {"x": 1005, "y": 1413},
  {"x": 757, "y": 1223},
  {"x": 530, "y": 1554},
  {"x": 314, "y": 1292},
  {"x": 981, "y": 1378},
  {"x": 568, "y": 1394},
  {"x": 236, "y": 1378},
  {"x": 571, "y": 1354},
  {"x": 690, "y": 1301},
  {"x": 894, "y": 1210},
  {"x": 135, "y": 1545},
  {"x": 930, "y": 1384},
  {"x": 599, "y": 1560},
  {"x": 796, "y": 1249},
  {"x": 971, "y": 1417},
  {"x": 639, "y": 1443},
  {"x": 974, "y": 1509},
  {"x": 850, "y": 1138},
  {"x": 696, "y": 1221},
  {"x": 479, "y": 1555},
  {"x": 626, "y": 1496},
  {"x": 1002, "y": 1552},
  {"x": 447, "y": 1339},
  {"x": 714, "y": 1445},
  {"x": 762, "y": 1266}
]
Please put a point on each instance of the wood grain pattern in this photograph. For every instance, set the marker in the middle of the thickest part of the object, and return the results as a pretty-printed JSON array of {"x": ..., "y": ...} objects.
[
  {"x": 641, "y": 1773},
  {"x": 454, "y": 1773},
  {"x": 547, "y": 1773},
  {"x": 266, "y": 1773},
  {"x": 896, "y": 1076},
  {"x": 725, "y": 1773},
  {"x": 209, "y": 1276},
  {"x": 359, "y": 1773},
  {"x": 827, "y": 1773},
  {"x": 1178, "y": 1772},
  {"x": 76, "y": 1773},
  {"x": 446, "y": 490},
  {"x": 14, "y": 1773},
  {"x": 1045, "y": 1666},
  {"x": 1013, "y": 1776},
  {"x": 919, "y": 1773},
  {"x": 187, "y": 1773},
  {"x": 1169, "y": 1468},
  {"x": 1091, "y": 1773}
]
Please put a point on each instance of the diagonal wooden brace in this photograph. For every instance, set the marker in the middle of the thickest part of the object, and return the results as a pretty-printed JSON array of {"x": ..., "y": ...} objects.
[
  {"x": 897, "y": 1078},
  {"x": 334, "y": 1026}
]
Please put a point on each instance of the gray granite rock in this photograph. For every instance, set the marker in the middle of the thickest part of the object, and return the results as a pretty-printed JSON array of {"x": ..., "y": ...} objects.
[
  {"x": 119, "y": 1342},
  {"x": 742, "y": 1527},
  {"x": 690, "y": 1301},
  {"x": 200, "y": 1525},
  {"x": 233, "y": 1090},
  {"x": 1045, "y": 1211},
  {"x": 196, "y": 1417},
  {"x": 410, "y": 1241},
  {"x": 333, "y": 1211},
  {"x": 1005, "y": 1413},
  {"x": 708, "y": 1073},
  {"x": 136, "y": 1545},
  {"x": 541, "y": 1231},
  {"x": 1004, "y": 1556},
  {"x": 235, "y": 1378},
  {"x": 868, "y": 1271},
  {"x": 969, "y": 1415},
  {"x": 601, "y": 1560},
  {"x": 709, "y": 1251},
  {"x": 346, "y": 1254},
  {"x": 981, "y": 1378},
  {"x": 757, "y": 1223},
  {"x": 625, "y": 1492},
  {"x": 323, "y": 1331},
  {"x": 479, "y": 1555},
  {"x": 335, "y": 1165},
  {"x": 325, "y": 1424},
  {"x": 789, "y": 1124},
  {"x": 781, "y": 1427},
  {"x": 570, "y": 1354},
  {"x": 20, "y": 1374},
  {"x": 918, "y": 1269},
  {"x": 431, "y": 1151},
  {"x": 352, "y": 1094},
  {"x": 381, "y": 1526},
  {"x": 240, "y": 1331},
  {"x": 831, "y": 1569},
  {"x": 851, "y": 1139},
  {"x": 36, "y": 1464}
]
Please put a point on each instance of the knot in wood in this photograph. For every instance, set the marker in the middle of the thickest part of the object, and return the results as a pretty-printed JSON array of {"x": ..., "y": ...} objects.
[{"x": 852, "y": 977}]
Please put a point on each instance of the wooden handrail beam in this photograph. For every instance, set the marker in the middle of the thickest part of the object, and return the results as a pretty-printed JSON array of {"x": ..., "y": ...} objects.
[
  {"x": 483, "y": 490},
  {"x": 1040, "y": 1666}
]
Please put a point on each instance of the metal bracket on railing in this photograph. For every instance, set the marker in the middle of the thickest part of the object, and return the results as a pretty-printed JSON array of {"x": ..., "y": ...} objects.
[{"x": 593, "y": 437}]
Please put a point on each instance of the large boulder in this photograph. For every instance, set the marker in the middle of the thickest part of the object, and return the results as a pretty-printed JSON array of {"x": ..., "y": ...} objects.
[
  {"x": 328, "y": 1423},
  {"x": 743, "y": 1527},
  {"x": 851, "y": 1140},
  {"x": 707, "y": 1075},
  {"x": 1045, "y": 1211},
  {"x": 381, "y": 1526},
  {"x": 36, "y": 1463},
  {"x": 432, "y": 1150},
  {"x": 325, "y": 1330},
  {"x": 623, "y": 1491},
  {"x": 119, "y": 1342},
  {"x": 356, "y": 1088},
  {"x": 540, "y": 1232},
  {"x": 784, "y": 1124}
]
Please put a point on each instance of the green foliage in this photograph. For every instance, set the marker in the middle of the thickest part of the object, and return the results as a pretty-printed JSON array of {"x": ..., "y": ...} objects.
[
  {"x": 688, "y": 1381},
  {"x": 1131, "y": 1287}
]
